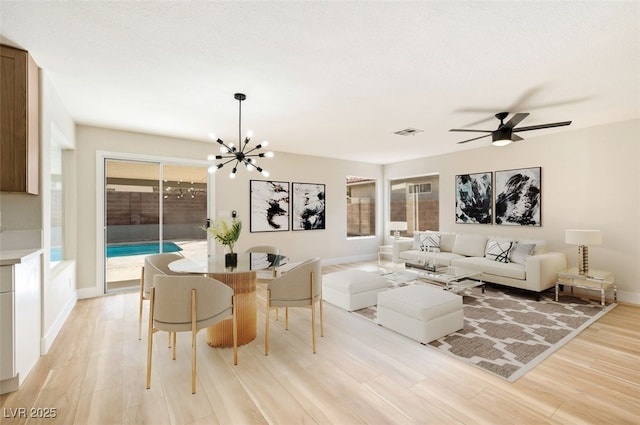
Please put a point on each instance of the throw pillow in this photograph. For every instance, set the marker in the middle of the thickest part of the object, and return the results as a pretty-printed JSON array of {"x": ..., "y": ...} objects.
[
  {"x": 520, "y": 252},
  {"x": 498, "y": 251},
  {"x": 424, "y": 240},
  {"x": 430, "y": 242}
]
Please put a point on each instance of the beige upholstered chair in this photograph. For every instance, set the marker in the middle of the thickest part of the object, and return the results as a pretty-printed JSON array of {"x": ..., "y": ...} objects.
[
  {"x": 299, "y": 287},
  {"x": 265, "y": 275},
  {"x": 153, "y": 265},
  {"x": 269, "y": 249},
  {"x": 189, "y": 303}
]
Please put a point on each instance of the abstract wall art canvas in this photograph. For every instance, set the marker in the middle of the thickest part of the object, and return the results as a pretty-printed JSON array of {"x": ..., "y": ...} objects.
[
  {"x": 473, "y": 198},
  {"x": 308, "y": 206},
  {"x": 518, "y": 197},
  {"x": 269, "y": 206}
]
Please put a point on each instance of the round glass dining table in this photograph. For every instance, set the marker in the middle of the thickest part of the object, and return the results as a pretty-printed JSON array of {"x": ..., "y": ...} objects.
[{"x": 240, "y": 275}]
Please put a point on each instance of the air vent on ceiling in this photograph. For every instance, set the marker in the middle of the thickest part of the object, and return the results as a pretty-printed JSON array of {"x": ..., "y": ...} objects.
[{"x": 408, "y": 131}]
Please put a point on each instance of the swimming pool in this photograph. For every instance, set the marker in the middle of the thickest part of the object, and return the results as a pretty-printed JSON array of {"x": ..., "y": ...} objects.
[{"x": 142, "y": 248}]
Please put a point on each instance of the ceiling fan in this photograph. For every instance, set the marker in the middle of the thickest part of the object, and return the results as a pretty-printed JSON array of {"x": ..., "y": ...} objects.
[{"x": 504, "y": 134}]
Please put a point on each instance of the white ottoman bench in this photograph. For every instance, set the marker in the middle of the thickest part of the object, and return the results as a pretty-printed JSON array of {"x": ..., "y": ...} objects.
[
  {"x": 352, "y": 289},
  {"x": 421, "y": 312}
]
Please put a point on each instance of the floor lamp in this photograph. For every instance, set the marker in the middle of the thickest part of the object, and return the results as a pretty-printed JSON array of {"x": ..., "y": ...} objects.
[{"x": 584, "y": 239}]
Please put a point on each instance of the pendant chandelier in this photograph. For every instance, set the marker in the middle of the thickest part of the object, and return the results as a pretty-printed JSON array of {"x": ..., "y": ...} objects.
[{"x": 242, "y": 154}]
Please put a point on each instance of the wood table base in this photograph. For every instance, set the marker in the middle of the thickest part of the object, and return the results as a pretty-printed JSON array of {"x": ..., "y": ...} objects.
[{"x": 244, "y": 288}]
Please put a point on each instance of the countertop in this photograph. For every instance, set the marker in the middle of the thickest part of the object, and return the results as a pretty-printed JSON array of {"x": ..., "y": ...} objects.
[{"x": 17, "y": 256}]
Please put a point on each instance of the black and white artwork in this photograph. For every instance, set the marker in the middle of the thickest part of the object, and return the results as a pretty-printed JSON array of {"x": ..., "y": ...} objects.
[
  {"x": 473, "y": 198},
  {"x": 518, "y": 195},
  {"x": 308, "y": 206},
  {"x": 269, "y": 206}
]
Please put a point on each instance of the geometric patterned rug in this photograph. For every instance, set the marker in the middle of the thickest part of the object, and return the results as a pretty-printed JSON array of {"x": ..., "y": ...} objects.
[{"x": 507, "y": 332}]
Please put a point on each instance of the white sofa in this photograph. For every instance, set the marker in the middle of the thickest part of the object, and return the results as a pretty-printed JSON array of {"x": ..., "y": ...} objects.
[{"x": 519, "y": 263}]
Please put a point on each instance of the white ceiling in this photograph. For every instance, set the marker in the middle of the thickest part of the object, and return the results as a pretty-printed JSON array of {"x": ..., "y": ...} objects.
[{"x": 336, "y": 79}]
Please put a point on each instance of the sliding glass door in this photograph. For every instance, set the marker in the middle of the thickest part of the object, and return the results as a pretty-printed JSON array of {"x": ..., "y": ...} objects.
[{"x": 150, "y": 208}]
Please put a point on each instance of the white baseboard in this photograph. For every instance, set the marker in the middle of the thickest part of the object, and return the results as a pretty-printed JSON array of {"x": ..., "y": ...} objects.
[
  {"x": 84, "y": 293},
  {"x": 52, "y": 333}
]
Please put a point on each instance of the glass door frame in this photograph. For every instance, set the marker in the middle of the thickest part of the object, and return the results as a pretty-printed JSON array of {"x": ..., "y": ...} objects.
[{"x": 101, "y": 158}]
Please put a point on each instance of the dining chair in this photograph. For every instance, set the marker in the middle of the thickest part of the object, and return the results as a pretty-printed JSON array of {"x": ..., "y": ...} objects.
[
  {"x": 188, "y": 304},
  {"x": 299, "y": 287},
  {"x": 153, "y": 265},
  {"x": 269, "y": 274}
]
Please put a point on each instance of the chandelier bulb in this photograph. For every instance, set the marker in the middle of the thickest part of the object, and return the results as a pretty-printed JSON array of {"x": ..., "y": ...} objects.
[
  {"x": 249, "y": 134},
  {"x": 264, "y": 173},
  {"x": 211, "y": 157},
  {"x": 269, "y": 154},
  {"x": 212, "y": 169}
]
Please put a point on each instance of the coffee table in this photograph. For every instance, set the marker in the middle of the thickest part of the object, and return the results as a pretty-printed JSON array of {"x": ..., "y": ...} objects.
[{"x": 451, "y": 278}]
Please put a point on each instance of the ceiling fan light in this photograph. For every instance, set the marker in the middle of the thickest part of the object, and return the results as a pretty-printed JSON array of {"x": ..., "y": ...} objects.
[{"x": 501, "y": 142}]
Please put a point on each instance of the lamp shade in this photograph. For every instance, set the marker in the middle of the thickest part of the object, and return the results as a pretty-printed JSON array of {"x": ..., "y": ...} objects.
[
  {"x": 397, "y": 225},
  {"x": 583, "y": 237}
]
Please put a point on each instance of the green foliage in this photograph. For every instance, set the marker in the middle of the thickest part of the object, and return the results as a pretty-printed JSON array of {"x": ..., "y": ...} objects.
[{"x": 224, "y": 233}]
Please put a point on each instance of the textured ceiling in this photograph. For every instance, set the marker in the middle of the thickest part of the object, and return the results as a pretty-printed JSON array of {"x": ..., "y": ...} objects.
[{"x": 335, "y": 79}]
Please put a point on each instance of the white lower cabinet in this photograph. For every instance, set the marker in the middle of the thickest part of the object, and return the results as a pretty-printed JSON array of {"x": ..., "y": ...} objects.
[{"x": 19, "y": 321}]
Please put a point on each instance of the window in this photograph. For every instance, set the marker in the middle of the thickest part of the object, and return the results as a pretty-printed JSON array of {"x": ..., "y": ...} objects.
[
  {"x": 361, "y": 206},
  {"x": 57, "y": 206},
  {"x": 415, "y": 201}
]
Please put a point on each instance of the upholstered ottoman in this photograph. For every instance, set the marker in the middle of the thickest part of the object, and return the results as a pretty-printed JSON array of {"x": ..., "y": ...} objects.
[
  {"x": 352, "y": 289},
  {"x": 421, "y": 312}
]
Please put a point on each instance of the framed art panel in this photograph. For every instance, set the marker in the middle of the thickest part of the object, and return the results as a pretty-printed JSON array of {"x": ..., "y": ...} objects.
[
  {"x": 518, "y": 197},
  {"x": 269, "y": 206},
  {"x": 308, "y": 201},
  {"x": 474, "y": 198}
]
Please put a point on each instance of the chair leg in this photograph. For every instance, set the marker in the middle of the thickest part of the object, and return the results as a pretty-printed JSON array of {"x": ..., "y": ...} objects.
[
  {"x": 266, "y": 329},
  {"x": 172, "y": 343},
  {"x": 286, "y": 318},
  {"x": 193, "y": 341},
  {"x": 150, "y": 337},
  {"x": 235, "y": 331},
  {"x": 321, "y": 316},
  {"x": 313, "y": 325},
  {"x": 141, "y": 299}
]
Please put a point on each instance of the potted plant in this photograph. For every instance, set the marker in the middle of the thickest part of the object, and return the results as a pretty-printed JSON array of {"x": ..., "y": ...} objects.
[{"x": 227, "y": 234}]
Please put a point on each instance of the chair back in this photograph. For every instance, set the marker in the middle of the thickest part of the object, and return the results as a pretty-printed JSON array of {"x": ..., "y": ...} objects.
[
  {"x": 172, "y": 302},
  {"x": 268, "y": 249},
  {"x": 293, "y": 289},
  {"x": 157, "y": 264}
]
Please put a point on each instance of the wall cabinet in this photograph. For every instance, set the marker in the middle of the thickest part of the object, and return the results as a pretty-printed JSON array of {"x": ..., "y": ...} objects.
[{"x": 19, "y": 127}]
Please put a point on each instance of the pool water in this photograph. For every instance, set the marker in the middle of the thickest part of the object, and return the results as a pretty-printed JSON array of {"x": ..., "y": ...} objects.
[{"x": 145, "y": 248}]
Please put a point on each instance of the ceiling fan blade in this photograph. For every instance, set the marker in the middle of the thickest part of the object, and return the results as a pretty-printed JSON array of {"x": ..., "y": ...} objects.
[
  {"x": 516, "y": 138},
  {"x": 515, "y": 120},
  {"x": 472, "y": 131},
  {"x": 475, "y": 138},
  {"x": 538, "y": 127}
]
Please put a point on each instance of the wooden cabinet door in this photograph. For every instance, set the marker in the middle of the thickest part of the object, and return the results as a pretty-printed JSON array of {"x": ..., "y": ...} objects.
[{"x": 19, "y": 131}]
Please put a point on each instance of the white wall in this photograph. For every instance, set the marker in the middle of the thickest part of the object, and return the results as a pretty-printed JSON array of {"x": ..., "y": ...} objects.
[
  {"x": 59, "y": 283},
  {"x": 590, "y": 180},
  {"x": 331, "y": 244}
]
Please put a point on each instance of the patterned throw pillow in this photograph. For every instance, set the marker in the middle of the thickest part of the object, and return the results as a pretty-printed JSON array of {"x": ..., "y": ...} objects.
[
  {"x": 430, "y": 241},
  {"x": 520, "y": 252},
  {"x": 498, "y": 251}
]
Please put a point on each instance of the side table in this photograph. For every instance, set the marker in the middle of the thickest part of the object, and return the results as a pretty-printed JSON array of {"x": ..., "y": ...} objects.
[
  {"x": 597, "y": 280},
  {"x": 384, "y": 250}
]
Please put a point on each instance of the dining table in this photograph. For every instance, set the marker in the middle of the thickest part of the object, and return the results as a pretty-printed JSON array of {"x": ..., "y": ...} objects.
[{"x": 240, "y": 275}]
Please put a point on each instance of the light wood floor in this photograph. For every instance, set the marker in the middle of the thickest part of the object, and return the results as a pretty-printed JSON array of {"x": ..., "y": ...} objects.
[{"x": 362, "y": 373}]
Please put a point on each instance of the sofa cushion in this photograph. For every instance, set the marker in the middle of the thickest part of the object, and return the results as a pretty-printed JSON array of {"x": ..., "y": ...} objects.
[
  {"x": 520, "y": 251},
  {"x": 498, "y": 250},
  {"x": 510, "y": 270},
  {"x": 447, "y": 240},
  {"x": 540, "y": 245},
  {"x": 426, "y": 240},
  {"x": 470, "y": 245}
]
